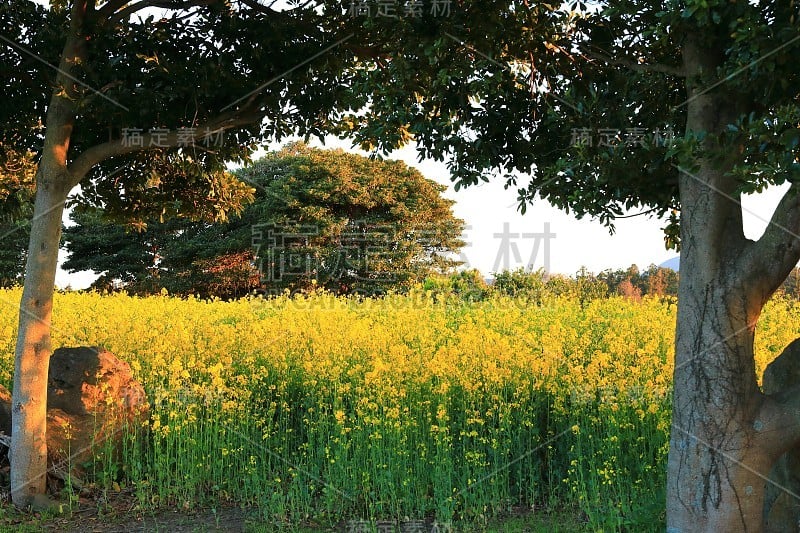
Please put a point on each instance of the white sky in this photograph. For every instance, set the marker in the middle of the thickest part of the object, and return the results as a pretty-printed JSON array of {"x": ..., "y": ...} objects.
[{"x": 487, "y": 207}]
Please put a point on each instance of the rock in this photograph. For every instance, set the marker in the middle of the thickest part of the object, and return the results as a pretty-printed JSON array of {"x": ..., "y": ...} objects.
[
  {"x": 781, "y": 508},
  {"x": 86, "y": 380},
  {"x": 91, "y": 398}
]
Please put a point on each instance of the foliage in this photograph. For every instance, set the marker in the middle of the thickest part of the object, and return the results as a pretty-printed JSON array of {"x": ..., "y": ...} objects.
[
  {"x": 26, "y": 86},
  {"x": 171, "y": 73},
  {"x": 16, "y": 207},
  {"x": 584, "y": 286},
  {"x": 153, "y": 75},
  {"x": 360, "y": 225},
  {"x": 588, "y": 287},
  {"x": 120, "y": 255},
  {"x": 182, "y": 256},
  {"x": 323, "y": 219},
  {"x": 467, "y": 285},
  {"x": 497, "y": 89},
  {"x": 539, "y": 286},
  {"x": 14, "y": 236},
  {"x": 521, "y": 283}
]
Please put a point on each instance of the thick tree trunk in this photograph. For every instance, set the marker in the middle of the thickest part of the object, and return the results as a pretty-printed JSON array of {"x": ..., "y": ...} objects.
[
  {"x": 28, "y": 442},
  {"x": 719, "y": 453},
  {"x": 726, "y": 434}
]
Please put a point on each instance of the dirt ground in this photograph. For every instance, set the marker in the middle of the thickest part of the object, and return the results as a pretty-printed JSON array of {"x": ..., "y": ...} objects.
[
  {"x": 233, "y": 519},
  {"x": 120, "y": 515}
]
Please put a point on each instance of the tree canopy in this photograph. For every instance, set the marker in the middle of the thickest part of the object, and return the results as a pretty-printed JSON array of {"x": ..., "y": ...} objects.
[
  {"x": 586, "y": 105},
  {"x": 185, "y": 86}
]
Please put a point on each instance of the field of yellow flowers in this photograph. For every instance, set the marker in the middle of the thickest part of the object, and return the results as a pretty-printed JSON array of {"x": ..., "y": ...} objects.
[{"x": 406, "y": 407}]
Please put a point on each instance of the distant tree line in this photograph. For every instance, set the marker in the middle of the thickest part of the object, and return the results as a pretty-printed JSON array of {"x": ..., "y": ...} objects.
[
  {"x": 633, "y": 283},
  {"x": 537, "y": 286}
]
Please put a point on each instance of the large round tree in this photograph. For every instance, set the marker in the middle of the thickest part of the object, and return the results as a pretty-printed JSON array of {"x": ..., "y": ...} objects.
[{"x": 347, "y": 222}]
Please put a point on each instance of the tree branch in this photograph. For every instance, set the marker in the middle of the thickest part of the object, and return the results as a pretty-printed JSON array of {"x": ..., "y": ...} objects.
[
  {"x": 635, "y": 66},
  {"x": 256, "y": 6},
  {"x": 110, "y": 7},
  {"x": 117, "y": 16},
  {"x": 767, "y": 262},
  {"x": 148, "y": 141}
]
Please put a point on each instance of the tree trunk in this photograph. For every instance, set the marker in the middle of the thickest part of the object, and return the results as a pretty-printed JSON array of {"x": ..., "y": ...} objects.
[
  {"x": 719, "y": 456},
  {"x": 28, "y": 453},
  {"x": 726, "y": 434},
  {"x": 29, "y": 413}
]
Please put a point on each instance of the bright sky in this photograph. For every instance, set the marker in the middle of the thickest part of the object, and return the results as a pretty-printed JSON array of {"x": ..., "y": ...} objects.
[{"x": 487, "y": 208}]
